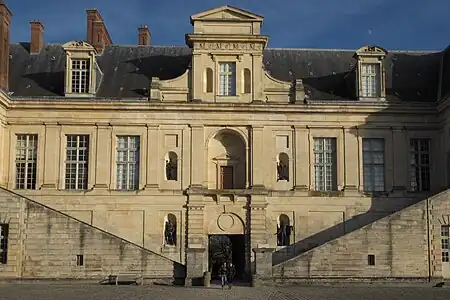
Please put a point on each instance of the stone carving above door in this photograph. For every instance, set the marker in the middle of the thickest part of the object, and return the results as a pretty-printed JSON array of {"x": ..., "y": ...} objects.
[{"x": 226, "y": 223}]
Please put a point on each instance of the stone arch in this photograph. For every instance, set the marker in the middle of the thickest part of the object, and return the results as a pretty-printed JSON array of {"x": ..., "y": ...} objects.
[
  {"x": 170, "y": 220},
  {"x": 171, "y": 166},
  {"x": 227, "y": 160},
  {"x": 282, "y": 167},
  {"x": 226, "y": 223}
]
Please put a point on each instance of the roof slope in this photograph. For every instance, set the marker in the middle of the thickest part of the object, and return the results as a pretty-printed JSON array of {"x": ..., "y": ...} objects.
[{"x": 127, "y": 71}]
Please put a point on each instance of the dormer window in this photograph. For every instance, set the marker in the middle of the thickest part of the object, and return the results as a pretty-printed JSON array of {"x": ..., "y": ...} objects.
[
  {"x": 370, "y": 80},
  {"x": 227, "y": 79},
  {"x": 82, "y": 72},
  {"x": 370, "y": 73}
]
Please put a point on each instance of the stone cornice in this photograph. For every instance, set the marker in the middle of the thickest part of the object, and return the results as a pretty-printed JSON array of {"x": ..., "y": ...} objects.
[{"x": 319, "y": 107}]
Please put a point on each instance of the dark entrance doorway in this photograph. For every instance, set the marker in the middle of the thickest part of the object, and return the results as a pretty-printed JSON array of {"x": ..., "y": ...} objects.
[{"x": 227, "y": 248}]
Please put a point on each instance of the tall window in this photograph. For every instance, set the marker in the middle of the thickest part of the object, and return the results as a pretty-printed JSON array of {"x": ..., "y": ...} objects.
[
  {"x": 373, "y": 162},
  {"x": 80, "y": 75},
  {"x": 26, "y": 161},
  {"x": 420, "y": 164},
  {"x": 4, "y": 228},
  {"x": 128, "y": 162},
  {"x": 325, "y": 164},
  {"x": 227, "y": 79},
  {"x": 445, "y": 237},
  {"x": 370, "y": 80},
  {"x": 77, "y": 152}
]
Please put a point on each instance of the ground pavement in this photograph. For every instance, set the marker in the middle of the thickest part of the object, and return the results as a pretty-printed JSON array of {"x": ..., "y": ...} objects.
[{"x": 78, "y": 291}]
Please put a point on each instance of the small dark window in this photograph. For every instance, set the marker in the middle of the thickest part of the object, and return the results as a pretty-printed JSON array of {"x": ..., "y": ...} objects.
[
  {"x": 209, "y": 80},
  {"x": 4, "y": 228},
  {"x": 80, "y": 260},
  {"x": 371, "y": 260},
  {"x": 247, "y": 81}
]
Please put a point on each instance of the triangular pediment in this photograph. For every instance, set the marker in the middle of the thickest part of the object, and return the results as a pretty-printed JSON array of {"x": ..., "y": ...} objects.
[{"x": 226, "y": 12}]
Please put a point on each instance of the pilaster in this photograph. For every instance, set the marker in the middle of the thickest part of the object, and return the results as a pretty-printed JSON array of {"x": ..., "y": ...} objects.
[
  {"x": 194, "y": 266},
  {"x": 258, "y": 228},
  {"x": 258, "y": 157},
  {"x": 258, "y": 77},
  {"x": 400, "y": 159},
  {"x": 152, "y": 157},
  {"x": 351, "y": 159},
  {"x": 197, "y": 155},
  {"x": 103, "y": 156},
  {"x": 302, "y": 168},
  {"x": 51, "y": 155}
]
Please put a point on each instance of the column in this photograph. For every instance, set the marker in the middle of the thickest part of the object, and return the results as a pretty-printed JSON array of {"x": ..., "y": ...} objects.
[
  {"x": 400, "y": 159},
  {"x": 197, "y": 78},
  {"x": 258, "y": 79},
  {"x": 103, "y": 156},
  {"x": 258, "y": 158},
  {"x": 351, "y": 159},
  {"x": 302, "y": 167},
  {"x": 197, "y": 155},
  {"x": 51, "y": 155},
  {"x": 152, "y": 157}
]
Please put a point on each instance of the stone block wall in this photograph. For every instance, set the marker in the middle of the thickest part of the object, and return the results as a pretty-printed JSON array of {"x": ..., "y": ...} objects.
[
  {"x": 44, "y": 243},
  {"x": 398, "y": 243}
]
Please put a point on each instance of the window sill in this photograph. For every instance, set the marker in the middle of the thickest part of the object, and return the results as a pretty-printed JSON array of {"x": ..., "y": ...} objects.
[{"x": 326, "y": 193}]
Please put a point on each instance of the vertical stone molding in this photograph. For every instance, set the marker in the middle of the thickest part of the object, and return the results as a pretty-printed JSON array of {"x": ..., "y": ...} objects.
[
  {"x": 194, "y": 266},
  {"x": 257, "y": 161},
  {"x": 351, "y": 152},
  {"x": 302, "y": 167},
  {"x": 152, "y": 154},
  {"x": 103, "y": 156},
  {"x": 197, "y": 155},
  {"x": 51, "y": 155},
  {"x": 400, "y": 159}
]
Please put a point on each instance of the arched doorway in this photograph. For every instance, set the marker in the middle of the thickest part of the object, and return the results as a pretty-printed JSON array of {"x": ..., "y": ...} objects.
[
  {"x": 227, "y": 161},
  {"x": 227, "y": 242}
]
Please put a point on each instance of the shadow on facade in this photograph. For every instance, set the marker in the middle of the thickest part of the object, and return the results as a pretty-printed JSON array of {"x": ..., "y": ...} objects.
[{"x": 409, "y": 78}]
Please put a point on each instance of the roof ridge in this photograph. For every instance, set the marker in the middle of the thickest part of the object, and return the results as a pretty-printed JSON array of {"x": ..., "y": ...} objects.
[{"x": 354, "y": 50}]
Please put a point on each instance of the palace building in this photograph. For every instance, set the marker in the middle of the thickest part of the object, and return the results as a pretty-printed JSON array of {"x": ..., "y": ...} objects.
[{"x": 164, "y": 161}]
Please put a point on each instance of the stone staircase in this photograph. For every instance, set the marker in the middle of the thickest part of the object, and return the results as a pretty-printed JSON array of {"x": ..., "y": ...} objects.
[
  {"x": 44, "y": 243},
  {"x": 398, "y": 245}
]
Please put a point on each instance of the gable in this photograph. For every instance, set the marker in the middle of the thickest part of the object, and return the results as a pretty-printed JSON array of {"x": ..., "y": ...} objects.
[{"x": 226, "y": 13}]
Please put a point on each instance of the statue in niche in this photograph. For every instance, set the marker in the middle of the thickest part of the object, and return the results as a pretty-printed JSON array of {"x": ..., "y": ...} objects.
[
  {"x": 170, "y": 233},
  {"x": 171, "y": 169},
  {"x": 283, "y": 234},
  {"x": 282, "y": 171}
]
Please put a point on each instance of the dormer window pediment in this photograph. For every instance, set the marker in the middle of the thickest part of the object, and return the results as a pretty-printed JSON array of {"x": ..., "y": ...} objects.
[
  {"x": 371, "y": 78},
  {"x": 81, "y": 69}
]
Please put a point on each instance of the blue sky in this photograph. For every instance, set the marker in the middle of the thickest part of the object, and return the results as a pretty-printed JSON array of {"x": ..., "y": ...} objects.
[{"x": 348, "y": 24}]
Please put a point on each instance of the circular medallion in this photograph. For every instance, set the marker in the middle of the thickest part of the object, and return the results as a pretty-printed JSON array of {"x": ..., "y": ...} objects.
[{"x": 225, "y": 221}]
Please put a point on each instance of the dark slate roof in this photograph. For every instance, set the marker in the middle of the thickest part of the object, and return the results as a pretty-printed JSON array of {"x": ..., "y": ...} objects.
[{"x": 326, "y": 74}]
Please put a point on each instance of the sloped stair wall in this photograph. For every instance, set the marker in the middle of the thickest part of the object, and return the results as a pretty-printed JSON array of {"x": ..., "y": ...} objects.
[
  {"x": 400, "y": 244},
  {"x": 45, "y": 243}
]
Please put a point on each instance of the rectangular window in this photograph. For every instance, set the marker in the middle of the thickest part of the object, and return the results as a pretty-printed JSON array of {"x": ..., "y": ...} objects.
[
  {"x": 420, "y": 164},
  {"x": 373, "y": 163},
  {"x": 370, "y": 80},
  {"x": 227, "y": 177},
  {"x": 26, "y": 161},
  {"x": 325, "y": 160},
  {"x": 4, "y": 228},
  {"x": 80, "y": 71},
  {"x": 445, "y": 236},
  {"x": 77, "y": 152},
  {"x": 128, "y": 162},
  {"x": 227, "y": 79}
]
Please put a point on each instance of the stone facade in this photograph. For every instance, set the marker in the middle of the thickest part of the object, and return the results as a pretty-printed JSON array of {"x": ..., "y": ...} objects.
[{"x": 189, "y": 135}]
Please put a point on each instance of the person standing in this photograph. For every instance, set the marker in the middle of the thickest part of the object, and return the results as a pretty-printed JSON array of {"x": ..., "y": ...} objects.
[
  {"x": 230, "y": 275},
  {"x": 223, "y": 271}
]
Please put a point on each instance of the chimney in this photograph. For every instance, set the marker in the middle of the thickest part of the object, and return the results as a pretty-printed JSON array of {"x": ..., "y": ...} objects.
[
  {"x": 37, "y": 37},
  {"x": 144, "y": 36},
  {"x": 97, "y": 34},
  {"x": 5, "y": 20}
]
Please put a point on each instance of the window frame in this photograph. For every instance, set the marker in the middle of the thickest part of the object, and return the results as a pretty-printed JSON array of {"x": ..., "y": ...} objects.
[
  {"x": 26, "y": 161},
  {"x": 230, "y": 80},
  {"x": 80, "y": 72},
  {"x": 333, "y": 184},
  {"x": 372, "y": 166},
  {"x": 445, "y": 240},
  {"x": 77, "y": 162},
  {"x": 130, "y": 185},
  {"x": 417, "y": 168},
  {"x": 372, "y": 87}
]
